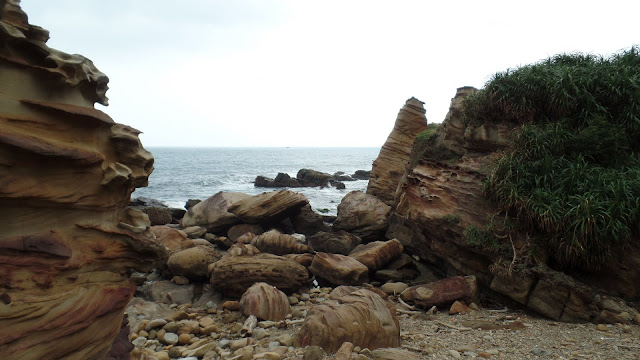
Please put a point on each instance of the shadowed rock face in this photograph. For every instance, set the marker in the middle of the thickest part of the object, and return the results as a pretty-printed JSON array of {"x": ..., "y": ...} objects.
[
  {"x": 67, "y": 171},
  {"x": 395, "y": 153}
]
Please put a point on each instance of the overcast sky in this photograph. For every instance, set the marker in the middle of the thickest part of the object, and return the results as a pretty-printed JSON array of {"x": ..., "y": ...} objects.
[{"x": 311, "y": 73}]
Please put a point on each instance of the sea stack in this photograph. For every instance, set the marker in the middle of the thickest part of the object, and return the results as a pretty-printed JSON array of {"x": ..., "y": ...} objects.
[
  {"x": 394, "y": 156},
  {"x": 67, "y": 170}
]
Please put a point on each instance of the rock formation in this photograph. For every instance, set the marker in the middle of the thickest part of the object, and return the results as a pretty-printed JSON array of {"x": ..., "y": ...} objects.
[
  {"x": 67, "y": 170},
  {"x": 213, "y": 212},
  {"x": 394, "y": 156},
  {"x": 268, "y": 207},
  {"x": 439, "y": 202}
]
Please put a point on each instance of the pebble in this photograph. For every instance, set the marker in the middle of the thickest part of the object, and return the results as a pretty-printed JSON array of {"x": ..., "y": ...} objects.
[
  {"x": 184, "y": 338},
  {"x": 540, "y": 352},
  {"x": 305, "y": 297},
  {"x": 394, "y": 288},
  {"x": 155, "y": 323},
  {"x": 170, "y": 338},
  {"x": 465, "y": 347},
  {"x": 260, "y": 333},
  {"x": 143, "y": 333},
  {"x": 245, "y": 353},
  {"x": 268, "y": 356},
  {"x": 602, "y": 327},
  {"x": 180, "y": 280},
  {"x": 454, "y": 354},
  {"x": 161, "y": 355},
  {"x": 176, "y": 352},
  {"x": 293, "y": 300},
  {"x": 206, "y": 321},
  {"x": 200, "y": 351},
  {"x": 171, "y": 327},
  {"x": 139, "y": 342}
]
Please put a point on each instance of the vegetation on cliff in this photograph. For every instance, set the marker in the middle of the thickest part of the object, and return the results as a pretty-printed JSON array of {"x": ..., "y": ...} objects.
[{"x": 573, "y": 175}]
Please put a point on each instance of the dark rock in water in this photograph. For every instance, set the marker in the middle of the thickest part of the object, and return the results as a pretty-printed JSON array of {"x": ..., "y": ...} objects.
[
  {"x": 338, "y": 185},
  {"x": 361, "y": 175},
  {"x": 281, "y": 180},
  {"x": 308, "y": 177},
  {"x": 191, "y": 202},
  {"x": 341, "y": 176},
  {"x": 308, "y": 222}
]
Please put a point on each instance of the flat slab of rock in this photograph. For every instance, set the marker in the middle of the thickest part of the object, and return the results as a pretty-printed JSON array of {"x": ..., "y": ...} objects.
[
  {"x": 268, "y": 207},
  {"x": 213, "y": 212},
  {"x": 361, "y": 317},
  {"x": 233, "y": 275},
  {"x": 377, "y": 254},
  {"x": 363, "y": 215},
  {"x": 442, "y": 292},
  {"x": 339, "y": 269}
]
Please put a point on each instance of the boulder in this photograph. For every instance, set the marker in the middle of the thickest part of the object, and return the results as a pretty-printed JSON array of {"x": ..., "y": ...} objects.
[
  {"x": 238, "y": 230},
  {"x": 394, "y": 156},
  {"x": 361, "y": 317},
  {"x": 269, "y": 207},
  {"x": 377, "y": 254},
  {"x": 308, "y": 177},
  {"x": 169, "y": 237},
  {"x": 266, "y": 302},
  {"x": 233, "y": 275},
  {"x": 339, "y": 269},
  {"x": 363, "y": 215},
  {"x": 274, "y": 242},
  {"x": 442, "y": 292},
  {"x": 308, "y": 222},
  {"x": 281, "y": 180},
  {"x": 303, "y": 259},
  {"x": 193, "y": 262},
  {"x": 361, "y": 175},
  {"x": 67, "y": 171},
  {"x": 340, "y": 242},
  {"x": 158, "y": 215},
  {"x": 213, "y": 212}
]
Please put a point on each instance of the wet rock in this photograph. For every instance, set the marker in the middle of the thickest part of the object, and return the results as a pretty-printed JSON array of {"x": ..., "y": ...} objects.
[
  {"x": 340, "y": 242},
  {"x": 363, "y": 215},
  {"x": 361, "y": 317},
  {"x": 309, "y": 177},
  {"x": 339, "y": 269},
  {"x": 265, "y": 301},
  {"x": 377, "y": 254}
]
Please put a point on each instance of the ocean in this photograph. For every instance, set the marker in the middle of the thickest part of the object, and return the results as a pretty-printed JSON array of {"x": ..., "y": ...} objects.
[{"x": 197, "y": 173}]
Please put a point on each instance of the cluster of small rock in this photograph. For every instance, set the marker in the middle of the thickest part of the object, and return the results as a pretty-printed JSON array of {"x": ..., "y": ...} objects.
[{"x": 311, "y": 178}]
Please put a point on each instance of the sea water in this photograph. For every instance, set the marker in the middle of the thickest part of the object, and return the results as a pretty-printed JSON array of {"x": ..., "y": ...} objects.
[{"x": 197, "y": 173}]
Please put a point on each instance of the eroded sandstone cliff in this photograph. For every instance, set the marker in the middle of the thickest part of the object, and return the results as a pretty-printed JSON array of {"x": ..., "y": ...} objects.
[
  {"x": 392, "y": 161},
  {"x": 67, "y": 170},
  {"x": 442, "y": 216}
]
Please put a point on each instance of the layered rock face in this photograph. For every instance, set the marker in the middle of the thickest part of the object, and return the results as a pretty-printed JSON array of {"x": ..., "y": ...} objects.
[
  {"x": 394, "y": 156},
  {"x": 67, "y": 242},
  {"x": 440, "y": 202}
]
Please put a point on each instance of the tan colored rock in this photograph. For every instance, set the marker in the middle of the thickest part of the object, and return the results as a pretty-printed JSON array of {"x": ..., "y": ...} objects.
[
  {"x": 362, "y": 318},
  {"x": 231, "y": 305},
  {"x": 274, "y": 242},
  {"x": 246, "y": 238},
  {"x": 394, "y": 155},
  {"x": 169, "y": 237},
  {"x": 213, "y": 212},
  {"x": 395, "y": 288},
  {"x": 339, "y": 269},
  {"x": 377, "y": 254},
  {"x": 67, "y": 171},
  {"x": 268, "y": 207},
  {"x": 442, "y": 292},
  {"x": 193, "y": 262},
  {"x": 265, "y": 301},
  {"x": 233, "y": 275},
  {"x": 458, "y": 307},
  {"x": 363, "y": 215},
  {"x": 240, "y": 248},
  {"x": 344, "y": 352}
]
